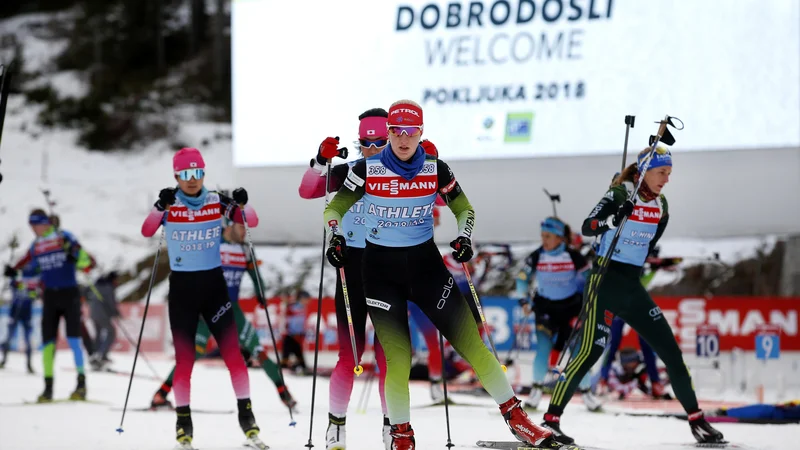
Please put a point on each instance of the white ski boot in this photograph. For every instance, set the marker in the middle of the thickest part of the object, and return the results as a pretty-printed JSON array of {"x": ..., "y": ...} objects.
[
  {"x": 534, "y": 398},
  {"x": 335, "y": 437}
]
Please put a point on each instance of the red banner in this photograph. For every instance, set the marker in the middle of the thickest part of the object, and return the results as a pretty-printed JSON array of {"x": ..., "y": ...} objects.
[{"x": 737, "y": 319}]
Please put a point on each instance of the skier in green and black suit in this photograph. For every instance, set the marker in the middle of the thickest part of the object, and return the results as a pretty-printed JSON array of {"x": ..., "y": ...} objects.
[{"x": 621, "y": 292}]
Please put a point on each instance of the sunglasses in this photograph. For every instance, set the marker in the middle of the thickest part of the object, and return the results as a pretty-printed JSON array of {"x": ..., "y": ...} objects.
[
  {"x": 188, "y": 174},
  {"x": 379, "y": 143},
  {"x": 408, "y": 131}
]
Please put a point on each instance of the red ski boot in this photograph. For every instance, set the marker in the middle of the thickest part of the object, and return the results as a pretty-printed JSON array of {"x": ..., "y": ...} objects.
[
  {"x": 522, "y": 427},
  {"x": 402, "y": 437}
]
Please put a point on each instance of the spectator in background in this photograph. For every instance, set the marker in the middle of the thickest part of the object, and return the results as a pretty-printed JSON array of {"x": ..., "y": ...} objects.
[
  {"x": 24, "y": 291},
  {"x": 295, "y": 330},
  {"x": 103, "y": 308}
]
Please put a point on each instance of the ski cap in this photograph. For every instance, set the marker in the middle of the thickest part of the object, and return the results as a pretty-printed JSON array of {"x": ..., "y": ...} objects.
[
  {"x": 661, "y": 157},
  {"x": 372, "y": 128},
  {"x": 187, "y": 158},
  {"x": 553, "y": 225},
  {"x": 405, "y": 113},
  {"x": 38, "y": 219}
]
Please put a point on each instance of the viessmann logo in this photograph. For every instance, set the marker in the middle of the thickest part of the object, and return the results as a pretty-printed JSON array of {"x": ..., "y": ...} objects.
[
  {"x": 397, "y": 187},
  {"x": 183, "y": 214},
  {"x": 647, "y": 214}
]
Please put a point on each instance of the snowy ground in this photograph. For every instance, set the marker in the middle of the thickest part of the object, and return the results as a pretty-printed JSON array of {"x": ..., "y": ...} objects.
[{"x": 91, "y": 426}]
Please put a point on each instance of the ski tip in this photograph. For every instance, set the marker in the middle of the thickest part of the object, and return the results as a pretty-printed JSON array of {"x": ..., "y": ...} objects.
[
  {"x": 120, "y": 430},
  {"x": 293, "y": 423}
]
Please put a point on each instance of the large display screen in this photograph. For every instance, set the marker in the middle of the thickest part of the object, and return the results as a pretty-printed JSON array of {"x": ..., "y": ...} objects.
[{"x": 515, "y": 78}]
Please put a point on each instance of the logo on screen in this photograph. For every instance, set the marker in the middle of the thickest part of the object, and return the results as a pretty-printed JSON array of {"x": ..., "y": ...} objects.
[{"x": 519, "y": 127}]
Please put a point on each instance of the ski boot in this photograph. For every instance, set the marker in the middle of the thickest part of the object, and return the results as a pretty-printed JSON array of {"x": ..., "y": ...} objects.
[
  {"x": 248, "y": 423},
  {"x": 437, "y": 390},
  {"x": 592, "y": 403},
  {"x": 96, "y": 363},
  {"x": 387, "y": 434},
  {"x": 335, "y": 436},
  {"x": 80, "y": 390},
  {"x": 534, "y": 397},
  {"x": 30, "y": 367},
  {"x": 551, "y": 422},
  {"x": 184, "y": 431},
  {"x": 159, "y": 400},
  {"x": 246, "y": 418},
  {"x": 402, "y": 437},
  {"x": 287, "y": 398},
  {"x": 522, "y": 427},
  {"x": 703, "y": 431},
  {"x": 47, "y": 395}
]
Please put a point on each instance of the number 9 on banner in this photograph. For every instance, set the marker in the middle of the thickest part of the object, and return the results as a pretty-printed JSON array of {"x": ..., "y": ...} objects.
[
  {"x": 768, "y": 342},
  {"x": 707, "y": 341}
]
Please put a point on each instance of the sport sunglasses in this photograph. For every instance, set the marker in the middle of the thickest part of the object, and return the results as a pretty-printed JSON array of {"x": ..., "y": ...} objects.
[
  {"x": 408, "y": 131},
  {"x": 188, "y": 174},
  {"x": 380, "y": 143}
]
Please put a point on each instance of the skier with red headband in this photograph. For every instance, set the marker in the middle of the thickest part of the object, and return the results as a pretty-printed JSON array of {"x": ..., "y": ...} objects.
[{"x": 400, "y": 262}]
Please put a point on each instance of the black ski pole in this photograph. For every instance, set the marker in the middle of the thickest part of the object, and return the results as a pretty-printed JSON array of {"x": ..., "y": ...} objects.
[
  {"x": 141, "y": 330},
  {"x": 5, "y": 86},
  {"x": 629, "y": 121},
  {"x": 444, "y": 386},
  {"x": 260, "y": 293},
  {"x": 342, "y": 154},
  {"x": 554, "y": 198}
]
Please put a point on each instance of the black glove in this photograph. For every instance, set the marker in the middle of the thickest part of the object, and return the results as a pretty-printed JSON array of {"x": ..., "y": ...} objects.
[
  {"x": 10, "y": 272},
  {"x": 67, "y": 247},
  {"x": 624, "y": 211},
  {"x": 166, "y": 198},
  {"x": 463, "y": 249},
  {"x": 337, "y": 251},
  {"x": 240, "y": 196}
]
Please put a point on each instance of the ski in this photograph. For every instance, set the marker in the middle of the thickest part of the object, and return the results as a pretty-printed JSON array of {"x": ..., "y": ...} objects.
[
  {"x": 172, "y": 410},
  {"x": 111, "y": 371},
  {"x": 255, "y": 442},
  {"x": 450, "y": 402},
  {"x": 54, "y": 401},
  {"x": 516, "y": 445},
  {"x": 726, "y": 445}
]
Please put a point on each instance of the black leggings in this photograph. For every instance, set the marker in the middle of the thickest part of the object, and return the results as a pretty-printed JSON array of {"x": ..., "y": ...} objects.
[
  {"x": 60, "y": 303},
  {"x": 195, "y": 294},
  {"x": 555, "y": 317},
  {"x": 393, "y": 276}
]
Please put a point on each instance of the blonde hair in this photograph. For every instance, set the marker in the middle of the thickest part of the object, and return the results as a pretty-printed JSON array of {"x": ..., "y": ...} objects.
[
  {"x": 630, "y": 172},
  {"x": 405, "y": 102}
]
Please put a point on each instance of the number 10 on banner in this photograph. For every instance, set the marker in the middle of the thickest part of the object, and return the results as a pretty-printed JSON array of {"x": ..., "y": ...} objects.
[
  {"x": 707, "y": 341},
  {"x": 768, "y": 342}
]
